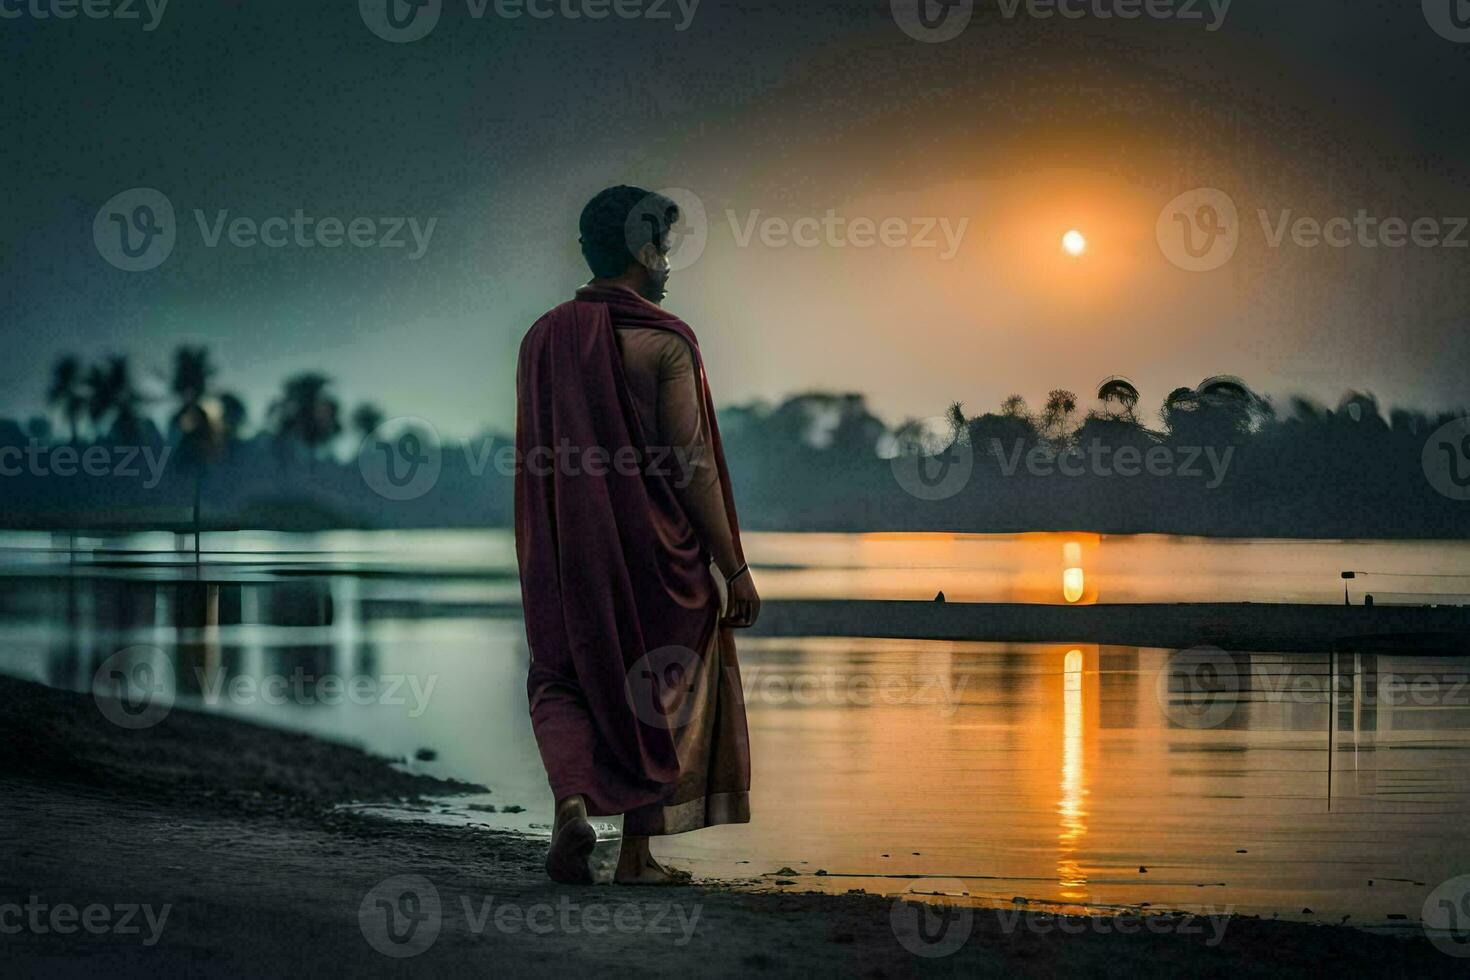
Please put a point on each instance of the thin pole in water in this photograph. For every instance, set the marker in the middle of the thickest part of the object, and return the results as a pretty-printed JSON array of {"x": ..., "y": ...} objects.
[
  {"x": 1331, "y": 720},
  {"x": 196, "y": 518}
]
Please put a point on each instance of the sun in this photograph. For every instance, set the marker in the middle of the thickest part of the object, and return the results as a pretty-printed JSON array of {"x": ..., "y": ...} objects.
[{"x": 1074, "y": 243}]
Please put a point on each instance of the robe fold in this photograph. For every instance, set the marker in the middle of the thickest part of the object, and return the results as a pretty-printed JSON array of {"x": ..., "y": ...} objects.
[{"x": 634, "y": 686}]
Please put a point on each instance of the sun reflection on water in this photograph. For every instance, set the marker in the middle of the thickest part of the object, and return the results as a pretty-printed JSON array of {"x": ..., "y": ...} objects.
[{"x": 1070, "y": 876}]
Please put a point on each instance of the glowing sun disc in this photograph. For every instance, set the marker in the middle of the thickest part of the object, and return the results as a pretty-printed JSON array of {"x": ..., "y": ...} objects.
[{"x": 1073, "y": 242}]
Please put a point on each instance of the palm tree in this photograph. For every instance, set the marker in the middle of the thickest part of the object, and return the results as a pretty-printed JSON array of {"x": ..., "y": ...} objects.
[
  {"x": 68, "y": 391},
  {"x": 196, "y": 423},
  {"x": 959, "y": 426},
  {"x": 192, "y": 371},
  {"x": 306, "y": 412},
  {"x": 111, "y": 394}
]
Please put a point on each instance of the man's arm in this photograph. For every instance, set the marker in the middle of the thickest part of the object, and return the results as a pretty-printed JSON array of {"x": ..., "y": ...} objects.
[{"x": 684, "y": 429}]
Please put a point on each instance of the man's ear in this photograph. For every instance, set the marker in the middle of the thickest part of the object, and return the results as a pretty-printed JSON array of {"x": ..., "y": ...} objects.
[{"x": 649, "y": 256}]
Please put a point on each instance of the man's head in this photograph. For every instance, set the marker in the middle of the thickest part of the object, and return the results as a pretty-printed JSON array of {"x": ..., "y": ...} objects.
[{"x": 625, "y": 236}]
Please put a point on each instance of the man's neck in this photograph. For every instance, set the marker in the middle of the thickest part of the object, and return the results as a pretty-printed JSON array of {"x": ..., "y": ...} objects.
[{"x": 629, "y": 283}]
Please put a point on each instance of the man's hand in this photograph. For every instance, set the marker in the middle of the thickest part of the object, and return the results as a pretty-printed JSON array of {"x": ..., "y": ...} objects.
[{"x": 744, "y": 605}]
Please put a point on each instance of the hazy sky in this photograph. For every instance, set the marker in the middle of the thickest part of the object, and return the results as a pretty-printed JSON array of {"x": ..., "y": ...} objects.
[{"x": 498, "y": 129}]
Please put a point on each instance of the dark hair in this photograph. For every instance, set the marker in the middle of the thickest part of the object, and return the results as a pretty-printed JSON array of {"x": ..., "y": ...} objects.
[{"x": 618, "y": 222}]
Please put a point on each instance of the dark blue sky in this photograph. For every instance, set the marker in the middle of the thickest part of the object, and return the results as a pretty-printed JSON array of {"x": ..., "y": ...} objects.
[{"x": 498, "y": 130}]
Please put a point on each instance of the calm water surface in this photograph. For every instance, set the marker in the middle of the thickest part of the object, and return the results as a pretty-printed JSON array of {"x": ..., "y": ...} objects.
[{"x": 1065, "y": 773}]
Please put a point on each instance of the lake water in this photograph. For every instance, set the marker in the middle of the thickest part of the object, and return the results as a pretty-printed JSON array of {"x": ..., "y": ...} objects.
[{"x": 1071, "y": 774}]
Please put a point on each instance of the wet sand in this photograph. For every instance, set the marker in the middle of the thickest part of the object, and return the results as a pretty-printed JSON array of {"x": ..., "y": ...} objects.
[{"x": 234, "y": 829}]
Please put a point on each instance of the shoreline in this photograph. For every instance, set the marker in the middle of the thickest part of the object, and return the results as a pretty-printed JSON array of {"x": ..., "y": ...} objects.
[
  {"x": 1240, "y": 626},
  {"x": 233, "y": 829}
]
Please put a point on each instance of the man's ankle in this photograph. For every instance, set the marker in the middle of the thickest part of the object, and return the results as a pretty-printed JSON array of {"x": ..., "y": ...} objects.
[
  {"x": 570, "y": 808},
  {"x": 633, "y": 852}
]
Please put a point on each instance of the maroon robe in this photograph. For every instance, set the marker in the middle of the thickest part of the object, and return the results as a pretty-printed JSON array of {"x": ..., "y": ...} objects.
[{"x": 634, "y": 686}]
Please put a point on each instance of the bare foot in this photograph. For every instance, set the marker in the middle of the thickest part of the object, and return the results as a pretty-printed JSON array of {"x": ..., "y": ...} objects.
[
  {"x": 572, "y": 839},
  {"x": 650, "y": 872}
]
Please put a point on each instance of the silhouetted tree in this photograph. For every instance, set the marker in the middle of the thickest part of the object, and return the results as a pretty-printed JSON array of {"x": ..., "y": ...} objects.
[
  {"x": 1056, "y": 416},
  {"x": 858, "y": 432},
  {"x": 1015, "y": 407},
  {"x": 196, "y": 423},
  {"x": 1119, "y": 399},
  {"x": 1220, "y": 412},
  {"x": 959, "y": 426},
  {"x": 1000, "y": 434},
  {"x": 366, "y": 418},
  {"x": 306, "y": 413},
  {"x": 191, "y": 374},
  {"x": 112, "y": 397},
  {"x": 68, "y": 392},
  {"x": 233, "y": 415},
  {"x": 1176, "y": 404}
]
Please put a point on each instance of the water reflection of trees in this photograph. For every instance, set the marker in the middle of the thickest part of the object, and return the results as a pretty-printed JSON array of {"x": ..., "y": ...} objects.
[{"x": 187, "y": 622}]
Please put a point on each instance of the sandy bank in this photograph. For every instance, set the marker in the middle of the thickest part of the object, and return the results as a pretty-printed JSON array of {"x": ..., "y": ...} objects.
[{"x": 221, "y": 838}]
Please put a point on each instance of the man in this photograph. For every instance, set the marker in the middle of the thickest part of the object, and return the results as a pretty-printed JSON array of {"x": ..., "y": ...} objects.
[{"x": 632, "y": 574}]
